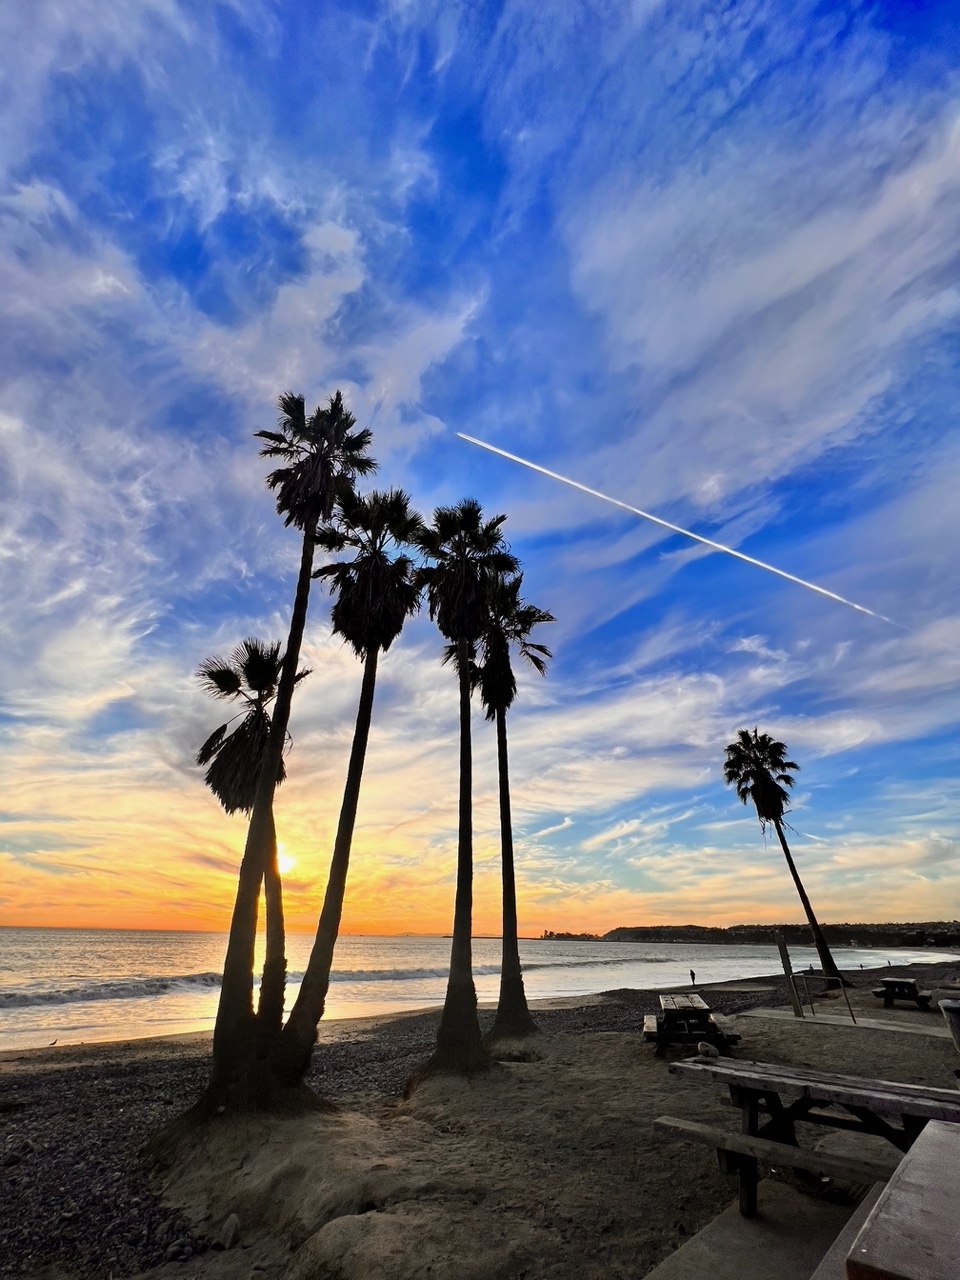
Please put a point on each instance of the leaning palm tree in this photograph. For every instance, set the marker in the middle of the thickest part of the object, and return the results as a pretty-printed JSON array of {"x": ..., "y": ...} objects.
[
  {"x": 463, "y": 552},
  {"x": 374, "y": 594},
  {"x": 509, "y": 623},
  {"x": 322, "y": 455},
  {"x": 757, "y": 766},
  {"x": 250, "y": 676}
]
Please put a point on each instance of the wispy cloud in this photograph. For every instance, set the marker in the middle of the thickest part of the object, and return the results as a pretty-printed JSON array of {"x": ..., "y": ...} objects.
[{"x": 702, "y": 258}]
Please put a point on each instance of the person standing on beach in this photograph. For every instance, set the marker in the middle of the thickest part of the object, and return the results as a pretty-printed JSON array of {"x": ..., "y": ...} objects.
[{"x": 693, "y": 978}]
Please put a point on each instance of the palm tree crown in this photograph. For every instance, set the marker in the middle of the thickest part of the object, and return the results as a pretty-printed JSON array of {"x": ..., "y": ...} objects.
[
  {"x": 757, "y": 766},
  {"x": 509, "y": 622},
  {"x": 249, "y": 675},
  {"x": 465, "y": 550},
  {"x": 323, "y": 454},
  {"x": 374, "y": 592}
]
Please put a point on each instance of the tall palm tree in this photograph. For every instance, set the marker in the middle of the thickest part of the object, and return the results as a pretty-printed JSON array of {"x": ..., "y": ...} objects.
[
  {"x": 757, "y": 766},
  {"x": 322, "y": 454},
  {"x": 509, "y": 624},
  {"x": 249, "y": 675},
  {"x": 463, "y": 552},
  {"x": 374, "y": 594}
]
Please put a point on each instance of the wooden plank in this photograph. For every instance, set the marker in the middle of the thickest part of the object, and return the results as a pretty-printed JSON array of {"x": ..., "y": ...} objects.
[
  {"x": 682, "y": 1002},
  {"x": 649, "y": 1026},
  {"x": 884, "y": 1096},
  {"x": 911, "y": 1234},
  {"x": 780, "y": 1154}
]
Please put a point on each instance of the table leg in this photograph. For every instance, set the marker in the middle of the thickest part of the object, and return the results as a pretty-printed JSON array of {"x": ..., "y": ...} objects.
[{"x": 746, "y": 1099}]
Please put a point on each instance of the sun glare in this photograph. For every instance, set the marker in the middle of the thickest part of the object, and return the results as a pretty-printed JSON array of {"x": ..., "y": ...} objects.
[{"x": 285, "y": 862}]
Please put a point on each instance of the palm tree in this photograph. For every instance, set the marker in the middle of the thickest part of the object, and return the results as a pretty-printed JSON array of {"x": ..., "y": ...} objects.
[
  {"x": 464, "y": 552},
  {"x": 249, "y": 675},
  {"x": 374, "y": 593},
  {"x": 757, "y": 766},
  {"x": 322, "y": 455},
  {"x": 510, "y": 621}
]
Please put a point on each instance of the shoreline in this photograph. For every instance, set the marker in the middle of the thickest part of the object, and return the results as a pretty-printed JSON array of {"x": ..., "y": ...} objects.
[{"x": 339, "y": 1029}]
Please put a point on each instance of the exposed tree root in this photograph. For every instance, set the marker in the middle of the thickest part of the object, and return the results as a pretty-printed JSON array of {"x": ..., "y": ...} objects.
[
  {"x": 163, "y": 1147},
  {"x": 450, "y": 1061}
]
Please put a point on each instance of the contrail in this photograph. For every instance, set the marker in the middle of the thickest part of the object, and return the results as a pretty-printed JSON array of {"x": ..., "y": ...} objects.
[{"x": 675, "y": 528}]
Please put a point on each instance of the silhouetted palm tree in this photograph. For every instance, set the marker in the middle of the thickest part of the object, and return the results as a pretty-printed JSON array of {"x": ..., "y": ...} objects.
[
  {"x": 757, "y": 766},
  {"x": 322, "y": 455},
  {"x": 249, "y": 675},
  {"x": 510, "y": 622},
  {"x": 464, "y": 552},
  {"x": 374, "y": 594}
]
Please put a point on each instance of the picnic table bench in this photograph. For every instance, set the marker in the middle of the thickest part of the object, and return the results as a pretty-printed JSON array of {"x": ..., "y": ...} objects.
[
  {"x": 687, "y": 1019},
  {"x": 897, "y": 1112},
  {"x": 891, "y": 989}
]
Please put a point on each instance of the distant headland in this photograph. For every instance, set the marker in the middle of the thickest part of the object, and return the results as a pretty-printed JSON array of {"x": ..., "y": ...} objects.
[{"x": 931, "y": 933}]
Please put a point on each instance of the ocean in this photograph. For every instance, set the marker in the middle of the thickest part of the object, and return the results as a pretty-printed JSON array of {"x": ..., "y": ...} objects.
[{"x": 82, "y": 985}]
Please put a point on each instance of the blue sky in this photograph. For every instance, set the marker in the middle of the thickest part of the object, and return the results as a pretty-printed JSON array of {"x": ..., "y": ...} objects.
[{"x": 702, "y": 257}]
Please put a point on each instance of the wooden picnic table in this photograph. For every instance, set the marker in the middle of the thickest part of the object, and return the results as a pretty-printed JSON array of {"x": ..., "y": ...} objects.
[
  {"x": 891, "y": 989},
  {"x": 687, "y": 1019},
  {"x": 897, "y": 1112},
  {"x": 911, "y": 1232}
]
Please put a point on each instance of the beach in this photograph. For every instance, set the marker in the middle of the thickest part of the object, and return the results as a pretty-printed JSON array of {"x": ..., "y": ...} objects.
[{"x": 544, "y": 1168}]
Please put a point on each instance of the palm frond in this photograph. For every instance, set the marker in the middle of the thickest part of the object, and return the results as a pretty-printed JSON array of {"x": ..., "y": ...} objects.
[
  {"x": 259, "y": 663},
  {"x": 219, "y": 678},
  {"x": 212, "y": 745}
]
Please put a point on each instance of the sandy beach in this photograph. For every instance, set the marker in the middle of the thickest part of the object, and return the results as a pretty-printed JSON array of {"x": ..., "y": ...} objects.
[{"x": 542, "y": 1168}]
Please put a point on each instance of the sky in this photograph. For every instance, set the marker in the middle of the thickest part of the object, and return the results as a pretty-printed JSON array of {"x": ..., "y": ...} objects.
[{"x": 704, "y": 258}]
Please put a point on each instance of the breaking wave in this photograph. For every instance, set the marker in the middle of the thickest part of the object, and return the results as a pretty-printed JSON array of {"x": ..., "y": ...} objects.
[{"x": 194, "y": 983}]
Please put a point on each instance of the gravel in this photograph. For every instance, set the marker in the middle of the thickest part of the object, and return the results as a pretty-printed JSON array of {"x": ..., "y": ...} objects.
[{"x": 74, "y": 1192}]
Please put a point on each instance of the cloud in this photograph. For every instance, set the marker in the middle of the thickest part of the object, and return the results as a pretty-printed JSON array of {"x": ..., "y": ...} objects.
[{"x": 702, "y": 259}]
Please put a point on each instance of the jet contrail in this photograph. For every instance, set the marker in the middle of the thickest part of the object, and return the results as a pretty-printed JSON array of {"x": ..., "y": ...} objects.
[{"x": 675, "y": 528}]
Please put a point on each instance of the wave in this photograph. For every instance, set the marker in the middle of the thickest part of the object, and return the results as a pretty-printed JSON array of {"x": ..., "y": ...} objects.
[
  {"x": 111, "y": 989},
  {"x": 139, "y": 988}
]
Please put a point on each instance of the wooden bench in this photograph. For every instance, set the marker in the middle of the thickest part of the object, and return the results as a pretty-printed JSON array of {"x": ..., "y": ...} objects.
[
  {"x": 835, "y": 1101},
  {"x": 687, "y": 1019},
  {"x": 891, "y": 989},
  {"x": 731, "y": 1147}
]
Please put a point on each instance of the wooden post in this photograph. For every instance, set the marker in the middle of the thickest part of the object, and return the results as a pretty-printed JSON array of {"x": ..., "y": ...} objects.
[
  {"x": 748, "y": 1166},
  {"x": 788, "y": 970}
]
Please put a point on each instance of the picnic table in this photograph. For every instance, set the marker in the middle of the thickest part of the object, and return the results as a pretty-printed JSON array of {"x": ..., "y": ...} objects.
[
  {"x": 687, "y": 1019},
  {"x": 897, "y": 1112},
  {"x": 891, "y": 989},
  {"x": 911, "y": 1232}
]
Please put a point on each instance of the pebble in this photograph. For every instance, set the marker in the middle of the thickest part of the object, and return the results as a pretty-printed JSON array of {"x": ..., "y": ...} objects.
[{"x": 230, "y": 1231}]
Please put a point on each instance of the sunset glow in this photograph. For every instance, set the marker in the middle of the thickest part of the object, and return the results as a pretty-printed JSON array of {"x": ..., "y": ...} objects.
[{"x": 699, "y": 260}]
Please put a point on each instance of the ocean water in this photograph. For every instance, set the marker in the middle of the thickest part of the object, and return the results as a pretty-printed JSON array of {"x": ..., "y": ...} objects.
[{"x": 76, "y": 985}]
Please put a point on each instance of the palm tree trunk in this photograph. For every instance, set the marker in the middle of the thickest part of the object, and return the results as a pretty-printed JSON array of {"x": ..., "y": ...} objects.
[
  {"x": 827, "y": 962},
  {"x": 233, "y": 1038},
  {"x": 300, "y": 1033},
  {"x": 459, "y": 1049},
  {"x": 273, "y": 982},
  {"x": 513, "y": 1016}
]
